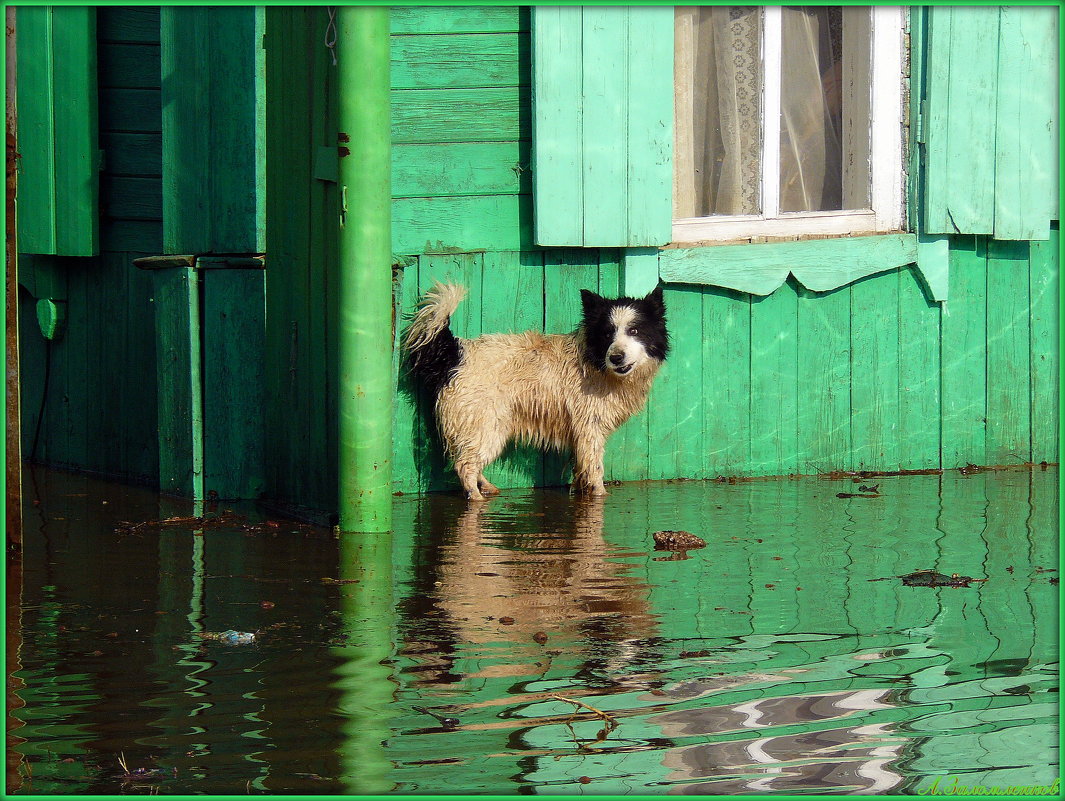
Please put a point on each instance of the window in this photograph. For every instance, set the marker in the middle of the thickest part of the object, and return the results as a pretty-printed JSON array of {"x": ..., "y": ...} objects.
[{"x": 788, "y": 121}]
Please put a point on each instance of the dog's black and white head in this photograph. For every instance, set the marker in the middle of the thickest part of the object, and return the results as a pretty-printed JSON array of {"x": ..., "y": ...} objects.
[{"x": 623, "y": 334}]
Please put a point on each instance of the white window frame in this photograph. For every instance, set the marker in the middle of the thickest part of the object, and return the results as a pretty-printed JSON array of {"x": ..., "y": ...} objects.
[{"x": 886, "y": 150}]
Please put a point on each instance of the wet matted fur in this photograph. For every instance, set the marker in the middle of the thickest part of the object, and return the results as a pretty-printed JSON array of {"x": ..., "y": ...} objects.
[{"x": 561, "y": 391}]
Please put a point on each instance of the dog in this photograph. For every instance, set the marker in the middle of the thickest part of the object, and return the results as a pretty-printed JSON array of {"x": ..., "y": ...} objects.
[{"x": 560, "y": 391}]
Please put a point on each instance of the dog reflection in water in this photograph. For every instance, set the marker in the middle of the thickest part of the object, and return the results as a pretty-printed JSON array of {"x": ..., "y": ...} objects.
[{"x": 539, "y": 589}]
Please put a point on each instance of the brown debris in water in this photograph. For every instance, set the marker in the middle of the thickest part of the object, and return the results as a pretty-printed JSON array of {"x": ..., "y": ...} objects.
[
  {"x": 677, "y": 541},
  {"x": 931, "y": 578},
  {"x": 224, "y": 520}
]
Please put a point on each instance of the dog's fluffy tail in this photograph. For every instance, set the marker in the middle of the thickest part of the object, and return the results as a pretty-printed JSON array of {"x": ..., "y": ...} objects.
[{"x": 434, "y": 352}]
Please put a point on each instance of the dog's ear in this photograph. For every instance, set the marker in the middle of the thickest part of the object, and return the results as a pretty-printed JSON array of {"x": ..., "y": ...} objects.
[
  {"x": 591, "y": 302},
  {"x": 654, "y": 300}
]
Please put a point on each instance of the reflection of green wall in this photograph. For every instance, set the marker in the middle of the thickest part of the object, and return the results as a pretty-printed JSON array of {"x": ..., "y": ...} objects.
[{"x": 840, "y": 631}]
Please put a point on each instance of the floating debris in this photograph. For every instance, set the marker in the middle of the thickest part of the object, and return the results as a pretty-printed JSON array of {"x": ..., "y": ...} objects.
[
  {"x": 228, "y": 637},
  {"x": 857, "y": 495},
  {"x": 224, "y": 520},
  {"x": 930, "y": 578},
  {"x": 445, "y": 721},
  {"x": 677, "y": 541}
]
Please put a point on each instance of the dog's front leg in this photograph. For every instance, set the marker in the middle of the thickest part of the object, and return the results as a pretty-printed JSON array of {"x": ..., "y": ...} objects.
[{"x": 588, "y": 466}]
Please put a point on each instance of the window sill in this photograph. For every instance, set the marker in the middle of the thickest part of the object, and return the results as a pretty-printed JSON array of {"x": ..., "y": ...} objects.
[{"x": 820, "y": 265}]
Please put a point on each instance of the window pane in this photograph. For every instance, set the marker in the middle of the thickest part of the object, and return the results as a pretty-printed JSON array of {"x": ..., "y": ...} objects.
[
  {"x": 824, "y": 108},
  {"x": 718, "y": 111}
]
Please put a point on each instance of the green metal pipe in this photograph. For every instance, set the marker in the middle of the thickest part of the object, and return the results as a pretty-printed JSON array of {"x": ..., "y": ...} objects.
[{"x": 365, "y": 283}]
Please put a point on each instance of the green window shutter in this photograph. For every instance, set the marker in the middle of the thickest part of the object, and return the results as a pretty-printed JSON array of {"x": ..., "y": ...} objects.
[
  {"x": 58, "y": 181},
  {"x": 990, "y": 117},
  {"x": 602, "y": 125}
]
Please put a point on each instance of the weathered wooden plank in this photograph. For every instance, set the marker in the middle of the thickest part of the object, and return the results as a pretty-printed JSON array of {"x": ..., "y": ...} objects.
[
  {"x": 179, "y": 409},
  {"x": 36, "y": 131},
  {"x": 129, "y": 66},
  {"x": 964, "y": 346},
  {"x": 824, "y": 381},
  {"x": 208, "y": 106},
  {"x": 233, "y": 322},
  {"x": 726, "y": 381},
  {"x": 774, "y": 371},
  {"x": 76, "y": 143},
  {"x": 133, "y": 154},
  {"x": 102, "y": 377},
  {"x": 458, "y": 19},
  {"x": 288, "y": 196},
  {"x": 449, "y": 224},
  {"x": 130, "y": 109},
  {"x": 875, "y": 373},
  {"x": 128, "y": 24},
  {"x": 649, "y": 173},
  {"x": 132, "y": 198},
  {"x": 1008, "y": 349},
  {"x": 1025, "y": 159},
  {"x": 323, "y": 271},
  {"x": 1045, "y": 355},
  {"x": 464, "y": 168},
  {"x": 138, "y": 386},
  {"x": 919, "y": 375},
  {"x": 604, "y": 137},
  {"x": 558, "y": 126},
  {"x": 137, "y": 237},
  {"x": 961, "y": 143},
  {"x": 497, "y": 114},
  {"x": 675, "y": 409},
  {"x": 511, "y": 283},
  {"x": 460, "y": 61}
]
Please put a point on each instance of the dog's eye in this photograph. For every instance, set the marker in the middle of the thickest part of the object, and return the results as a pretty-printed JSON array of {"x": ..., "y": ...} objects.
[{"x": 632, "y": 331}]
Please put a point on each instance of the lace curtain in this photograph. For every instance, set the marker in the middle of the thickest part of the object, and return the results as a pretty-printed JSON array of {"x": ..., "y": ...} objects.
[{"x": 718, "y": 100}]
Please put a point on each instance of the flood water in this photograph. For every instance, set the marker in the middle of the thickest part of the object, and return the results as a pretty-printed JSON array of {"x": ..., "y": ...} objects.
[{"x": 571, "y": 657}]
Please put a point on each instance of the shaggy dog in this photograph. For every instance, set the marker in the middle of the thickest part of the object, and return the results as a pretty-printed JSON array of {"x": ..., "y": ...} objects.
[{"x": 563, "y": 391}]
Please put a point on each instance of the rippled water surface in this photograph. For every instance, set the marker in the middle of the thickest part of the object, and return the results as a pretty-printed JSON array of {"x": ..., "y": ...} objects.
[{"x": 560, "y": 653}]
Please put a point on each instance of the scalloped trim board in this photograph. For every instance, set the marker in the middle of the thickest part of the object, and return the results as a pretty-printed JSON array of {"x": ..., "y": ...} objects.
[{"x": 820, "y": 265}]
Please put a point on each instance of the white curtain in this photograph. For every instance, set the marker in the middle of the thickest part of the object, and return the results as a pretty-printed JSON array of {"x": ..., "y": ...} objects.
[
  {"x": 718, "y": 110},
  {"x": 811, "y": 104},
  {"x": 718, "y": 101}
]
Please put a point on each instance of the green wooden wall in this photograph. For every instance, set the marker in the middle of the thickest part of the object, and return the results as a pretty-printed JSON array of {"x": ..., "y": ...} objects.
[
  {"x": 872, "y": 376},
  {"x": 300, "y": 412},
  {"x": 99, "y": 413},
  {"x": 869, "y": 376}
]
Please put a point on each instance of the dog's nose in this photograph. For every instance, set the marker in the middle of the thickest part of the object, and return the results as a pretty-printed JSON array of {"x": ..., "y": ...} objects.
[{"x": 617, "y": 358}]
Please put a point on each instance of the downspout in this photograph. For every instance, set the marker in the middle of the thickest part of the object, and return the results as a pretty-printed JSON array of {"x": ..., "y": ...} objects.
[{"x": 365, "y": 279}]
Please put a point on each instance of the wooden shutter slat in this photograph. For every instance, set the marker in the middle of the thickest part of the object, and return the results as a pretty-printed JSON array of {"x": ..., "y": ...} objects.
[
  {"x": 58, "y": 193},
  {"x": 603, "y": 125}
]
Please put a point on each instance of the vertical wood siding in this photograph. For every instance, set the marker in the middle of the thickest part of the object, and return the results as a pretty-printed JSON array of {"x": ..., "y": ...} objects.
[
  {"x": 868, "y": 377},
  {"x": 99, "y": 413},
  {"x": 302, "y": 212}
]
